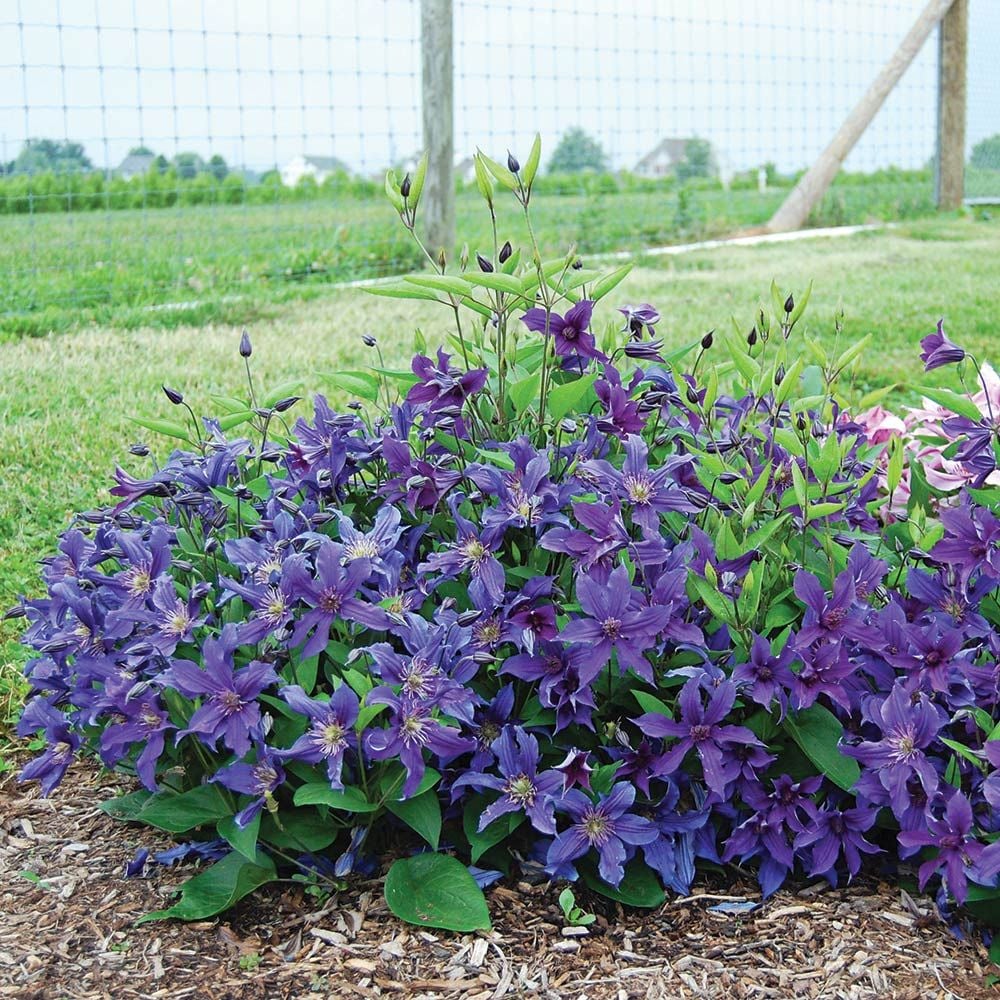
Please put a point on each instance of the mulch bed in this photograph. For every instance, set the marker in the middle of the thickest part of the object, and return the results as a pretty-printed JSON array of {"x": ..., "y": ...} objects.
[{"x": 72, "y": 934}]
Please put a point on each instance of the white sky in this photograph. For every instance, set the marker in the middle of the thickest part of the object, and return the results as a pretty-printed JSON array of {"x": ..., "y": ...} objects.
[{"x": 260, "y": 81}]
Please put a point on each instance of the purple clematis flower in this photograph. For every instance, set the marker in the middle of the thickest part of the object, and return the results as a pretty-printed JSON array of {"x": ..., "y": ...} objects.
[
  {"x": 606, "y": 825},
  {"x": 144, "y": 721},
  {"x": 259, "y": 779},
  {"x": 522, "y": 788},
  {"x": 617, "y": 622},
  {"x": 61, "y": 740},
  {"x": 639, "y": 318},
  {"x": 835, "y": 831},
  {"x": 825, "y": 617},
  {"x": 442, "y": 386},
  {"x": 699, "y": 729},
  {"x": 971, "y": 542},
  {"x": 332, "y": 596},
  {"x": 766, "y": 678},
  {"x": 824, "y": 670},
  {"x": 229, "y": 710},
  {"x": 571, "y": 332},
  {"x": 411, "y": 730},
  {"x": 331, "y": 731},
  {"x": 960, "y": 856},
  {"x": 937, "y": 350},
  {"x": 908, "y": 727},
  {"x": 373, "y": 545}
]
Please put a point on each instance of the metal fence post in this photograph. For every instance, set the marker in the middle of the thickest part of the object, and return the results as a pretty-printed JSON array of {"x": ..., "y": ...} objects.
[
  {"x": 951, "y": 106},
  {"x": 438, "y": 200}
]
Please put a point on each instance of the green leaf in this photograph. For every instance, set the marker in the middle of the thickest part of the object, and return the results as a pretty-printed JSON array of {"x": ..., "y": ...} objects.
[
  {"x": 800, "y": 306},
  {"x": 501, "y": 173},
  {"x": 126, "y": 807},
  {"x": 244, "y": 841},
  {"x": 439, "y": 282},
  {"x": 217, "y": 888},
  {"x": 817, "y": 732},
  {"x": 496, "y": 832},
  {"x": 497, "y": 281},
  {"x": 417, "y": 181},
  {"x": 609, "y": 282},
  {"x": 360, "y": 384},
  {"x": 435, "y": 890},
  {"x": 961, "y": 405},
  {"x": 392, "y": 190},
  {"x": 231, "y": 420},
  {"x": 179, "y": 813},
  {"x": 530, "y": 167},
  {"x": 168, "y": 428},
  {"x": 566, "y": 398},
  {"x": 650, "y": 703},
  {"x": 964, "y": 751},
  {"x": 301, "y": 830},
  {"x": 483, "y": 180},
  {"x": 640, "y": 886},
  {"x": 400, "y": 290},
  {"x": 280, "y": 392},
  {"x": 320, "y": 793},
  {"x": 523, "y": 392},
  {"x": 720, "y": 606},
  {"x": 421, "y": 813}
]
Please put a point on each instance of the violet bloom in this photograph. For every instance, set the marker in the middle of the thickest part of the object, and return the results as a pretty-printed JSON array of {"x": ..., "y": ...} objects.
[
  {"x": 61, "y": 743},
  {"x": 835, "y": 831},
  {"x": 332, "y": 596},
  {"x": 144, "y": 721},
  {"x": 971, "y": 542},
  {"x": 331, "y": 729},
  {"x": 522, "y": 788},
  {"x": 639, "y": 318},
  {"x": 564, "y": 675},
  {"x": 259, "y": 779},
  {"x": 937, "y": 350},
  {"x": 824, "y": 670},
  {"x": 699, "y": 728},
  {"x": 908, "y": 727},
  {"x": 622, "y": 414},
  {"x": 576, "y": 770},
  {"x": 682, "y": 836},
  {"x": 373, "y": 545},
  {"x": 606, "y": 825},
  {"x": 616, "y": 622},
  {"x": 762, "y": 836},
  {"x": 825, "y": 617},
  {"x": 647, "y": 493},
  {"x": 229, "y": 710},
  {"x": 492, "y": 720},
  {"x": 960, "y": 856},
  {"x": 443, "y": 386},
  {"x": 766, "y": 678},
  {"x": 411, "y": 730},
  {"x": 571, "y": 332}
]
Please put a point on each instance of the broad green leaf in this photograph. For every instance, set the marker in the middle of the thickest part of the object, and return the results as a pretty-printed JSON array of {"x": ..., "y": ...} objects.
[
  {"x": 650, "y": 703},
  {"x": 126, "y": 807},
  {"x": 609, "y": 282},
  {"x": 524, "y": 392},
  {"x": 963, "y": 751},
  {"x": 417, "y": 181},
  {"x": 961, "y": 405},
  {"x": 168, "y": 428},
  {"x": 392, "y": 190},
  {"x": 501, "y": 173},
  {"x": 401, "y": 290},
  {"x": 483, "y": 180},
  {"x": 439, "y": 282},
  {"x": 720, "y": 606},
  {"x": 231, "y": 420},
  {"x": 435, "y": 890},
  {"x": 497, "y": 281},
  {"x": 321, "y": 794},
  {"x": 186, "y": 811},
  {"x": 280, "y": 392},
  {"x": 361, "y": 384},
  {"x": 421, "y": 813},
  {"x": 530, "y": 167},
  {"x": 800, "y": 306},
  {"x": 566, "y": 398},
  {"x": 244, "y": 841},
  {"x": 217, "y": 888},
  {"x": 495, "y": 833},
  {"x": 640, "y": 887},
  {"x": 301, "y": 830},
  {"x": 817, "y": 731}
]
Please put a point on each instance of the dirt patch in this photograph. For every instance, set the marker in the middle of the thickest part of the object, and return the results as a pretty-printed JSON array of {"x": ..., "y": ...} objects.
[{"x": 71, "y": 934}]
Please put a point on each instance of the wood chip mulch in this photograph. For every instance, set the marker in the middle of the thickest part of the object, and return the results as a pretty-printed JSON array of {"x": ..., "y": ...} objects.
[{"x": 71, "y": 935}]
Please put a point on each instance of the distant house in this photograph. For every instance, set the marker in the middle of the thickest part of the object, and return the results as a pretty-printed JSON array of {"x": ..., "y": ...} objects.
[
  {"x": 662, "y": 159},
  {"x": 135, "y": 165},
  {"x": 316, "y": 167}
]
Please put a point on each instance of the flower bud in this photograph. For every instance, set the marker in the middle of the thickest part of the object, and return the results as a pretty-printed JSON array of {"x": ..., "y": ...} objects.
[
  {"x": 404, "y": 188},
  {"x": 246, "y": 348},
  {"x": 728, "y": 478},
  {"x": 789, "y": 304},
  {"x": 752, "y": 336},
  {"x": 463, "y": 257},
  {"x": 505, "y": 251},
  {"x": 512, "y": 165},
  {"x": 707, "y": 340},
  {"x": 577, "y": 264},
  {"x": 368, "y": 340},
  {"x": 484, "y": 264},
  {"x": 442, "y": 259},
  {"x": 139, "y": 450},
  {"x": 692, "y": 395},
  {"x": 173, "y": 395},
  {"x": 800, "y": 423},
  {"x": 779, "y": 375},
  {"x": 285, "y": 404}
]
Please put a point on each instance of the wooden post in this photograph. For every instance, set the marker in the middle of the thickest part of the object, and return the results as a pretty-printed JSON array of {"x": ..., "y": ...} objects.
[
  {"x": 814, "y": 183},
  {"x": 951, "y": 106},
  {"x": 437, "y": 204}
]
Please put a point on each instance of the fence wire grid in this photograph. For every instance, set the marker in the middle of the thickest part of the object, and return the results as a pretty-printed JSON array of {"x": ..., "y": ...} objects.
[{"x": 195, "y": 151}]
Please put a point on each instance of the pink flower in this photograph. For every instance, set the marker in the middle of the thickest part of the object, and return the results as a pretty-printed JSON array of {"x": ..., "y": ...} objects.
[{"x": 880, "y": 425}]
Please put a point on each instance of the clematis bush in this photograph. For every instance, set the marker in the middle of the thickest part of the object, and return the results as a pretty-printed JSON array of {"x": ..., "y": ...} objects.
[{"x": 555, "y": 600}]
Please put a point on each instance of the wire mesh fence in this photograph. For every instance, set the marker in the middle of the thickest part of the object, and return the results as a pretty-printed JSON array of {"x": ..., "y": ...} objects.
[{"x": 193, "y": 153}]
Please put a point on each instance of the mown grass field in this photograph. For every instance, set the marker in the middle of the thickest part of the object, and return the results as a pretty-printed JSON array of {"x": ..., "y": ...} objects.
[
  {"x": 235, "y": 263},
  {"x": 65, "y": 400}
]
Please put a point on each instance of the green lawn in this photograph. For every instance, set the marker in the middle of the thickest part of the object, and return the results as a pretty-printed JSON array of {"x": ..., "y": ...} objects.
[
  {"x": 237, "y": 263},
  {"x": 66, "y": 399}
]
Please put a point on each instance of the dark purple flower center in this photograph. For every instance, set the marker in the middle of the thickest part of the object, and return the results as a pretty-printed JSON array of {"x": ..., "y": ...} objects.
[
  {"x": 230, "y": 701},
  {"x": 934, "y": 658},
  {"x": 764, "y": 672},
  {"x": 330, "y": 601},
  {"x": 328, "y": 737},
  {"x": 700, "y": 732},
  {"x": 521, "y": 789},
  {"x": 570, "y": 332},
  {"x": 596, "y": 827},
  {"x": 833, "y": 617},
  {"x": 612, "y": 628}
]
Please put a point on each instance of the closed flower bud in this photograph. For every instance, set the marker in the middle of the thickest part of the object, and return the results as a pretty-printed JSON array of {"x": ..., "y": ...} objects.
[
  {"x": 692, "y": 395},
  {"x": 463, "y": 257},
  {"x": 800, "y": 423},
  {"x": 577, "y": 264},
  {"x": 707, "y": 340},
  {"x": 368, "y": 340},
  {"x": 286, "y": 404},
  {"x": 404, "y": 188},
  {"x": 779, "y": 375},
  {"x": 484, "y": 264},
  {"x": 512, "y": 165},
  {"x": 752, "y": 336},
  {"x": 173, "y": 395},
  {"x": 729, "y": 478},
  {"x": 505, "y": 251},
  {"x": 246, "y": 348},
  {"x": 354, "y": 405},
  {"x": 789, "y": 304},
  {"x": 140, "y": 450},
  {"x": 442, "y": 259}
]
